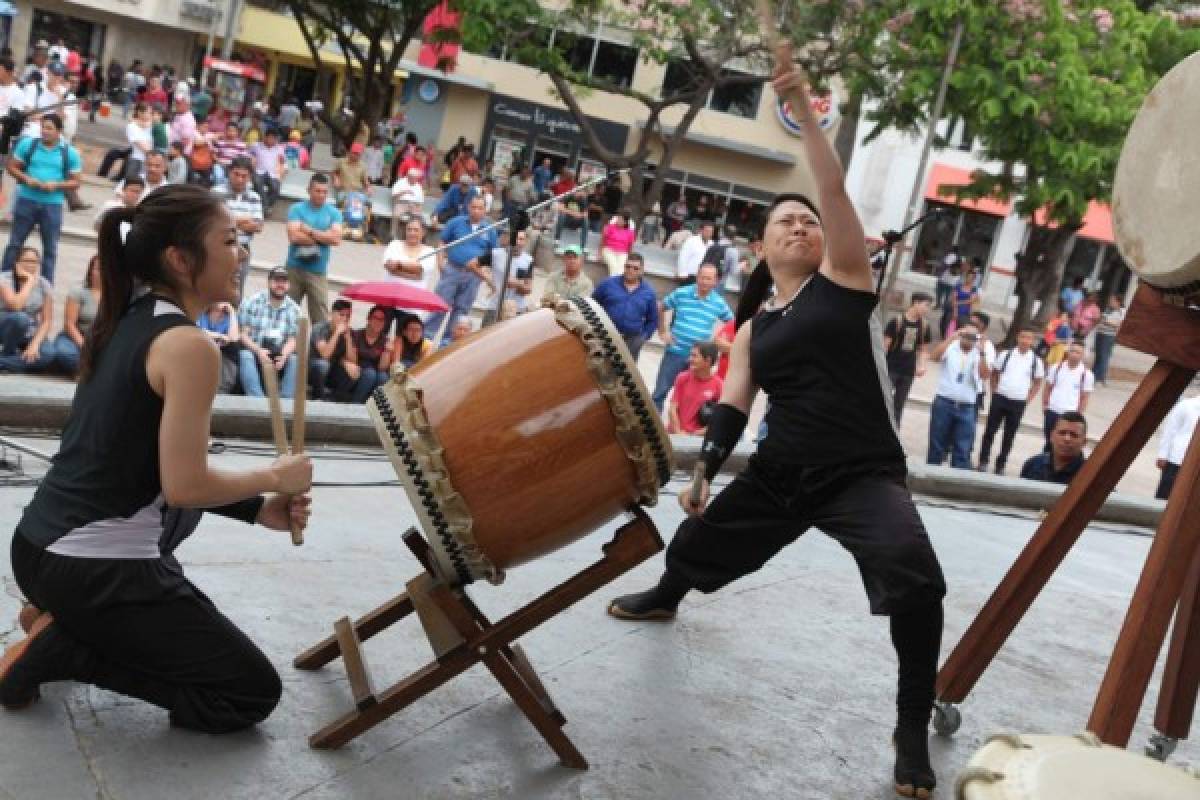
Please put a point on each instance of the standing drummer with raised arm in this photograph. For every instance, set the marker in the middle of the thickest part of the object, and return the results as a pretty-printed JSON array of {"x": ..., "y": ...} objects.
[
  {"x": 94, "y": 550},
  {"x": 831, "y": 458}
]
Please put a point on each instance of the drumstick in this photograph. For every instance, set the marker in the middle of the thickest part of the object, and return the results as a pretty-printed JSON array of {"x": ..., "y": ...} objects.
[
  {"x": 278, "y": 430},
  {"x": 298, "y": 424},
  {"x": 697, "y": 483}
]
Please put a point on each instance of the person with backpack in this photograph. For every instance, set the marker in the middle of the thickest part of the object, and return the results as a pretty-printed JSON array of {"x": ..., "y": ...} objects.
[
  {"x": 905, "y": 340},
  {"x": 723, "y": 253},
  {"x": 44, "y": 168},
  {"x": 1015, "y": 380},
  {"x": 1068, "y": 387}
]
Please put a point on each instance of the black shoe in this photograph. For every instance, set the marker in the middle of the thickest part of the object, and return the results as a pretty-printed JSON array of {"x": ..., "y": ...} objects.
[
  {"x": 913, "y": 774},
  {"x": 999, "y": 469},
  {"x": 647, "y": 605}
]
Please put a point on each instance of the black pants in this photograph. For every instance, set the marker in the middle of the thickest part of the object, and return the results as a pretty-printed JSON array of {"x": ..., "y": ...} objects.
[
  {"x": 140, "y": 628},
  {"x": 902, "y": 384},
  {"x": 1167, "y": 482},
  {"x": 871, "y": 514},
  {"x": 111, "y": 157},
  {"x": 1007, "y": 412}
]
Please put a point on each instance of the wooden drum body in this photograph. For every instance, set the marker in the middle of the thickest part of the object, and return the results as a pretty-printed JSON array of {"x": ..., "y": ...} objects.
[
  {"x": 1069, "y": 768},
  {"x": 1154, "y": 194},
  {"x": 522, "y": 439}
]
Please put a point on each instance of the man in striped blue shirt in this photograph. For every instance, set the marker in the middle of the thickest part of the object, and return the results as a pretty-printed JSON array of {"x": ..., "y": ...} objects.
[
  {"x": 688, "y": 316},
  {"x": 466, "y": 265}
]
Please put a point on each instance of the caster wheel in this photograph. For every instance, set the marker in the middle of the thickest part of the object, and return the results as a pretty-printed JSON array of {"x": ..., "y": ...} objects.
[
  {"x": 946, "y": 719},
  {"x": 1160, "y": 747}
]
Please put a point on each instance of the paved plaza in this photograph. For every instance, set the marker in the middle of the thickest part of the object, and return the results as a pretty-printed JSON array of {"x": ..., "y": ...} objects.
[{"x": 780, "y": 686}]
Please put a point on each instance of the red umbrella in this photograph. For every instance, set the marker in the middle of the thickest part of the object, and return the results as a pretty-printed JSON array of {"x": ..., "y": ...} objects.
[{"x": 396, "y": 295}]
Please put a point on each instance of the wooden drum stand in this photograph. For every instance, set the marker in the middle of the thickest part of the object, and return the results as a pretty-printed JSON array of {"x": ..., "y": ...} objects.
[
  {"x": 461, "y": 637},
  {"x": 1169, "y": 580}
]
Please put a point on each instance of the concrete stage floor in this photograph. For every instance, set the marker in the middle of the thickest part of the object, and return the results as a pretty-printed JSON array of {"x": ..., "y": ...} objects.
[{"x": 779, "y": 686}]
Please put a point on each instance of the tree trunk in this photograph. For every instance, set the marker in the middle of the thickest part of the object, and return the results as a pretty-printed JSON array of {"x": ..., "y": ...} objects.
[
  {"x": 1039, "y": 275},
  {"x": 847, "y": 135}
]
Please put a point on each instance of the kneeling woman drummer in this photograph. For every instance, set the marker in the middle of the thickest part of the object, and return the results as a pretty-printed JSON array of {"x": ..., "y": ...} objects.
[
  {"x": 94, "y": 550},
  {"x": 831, "y": 458}
]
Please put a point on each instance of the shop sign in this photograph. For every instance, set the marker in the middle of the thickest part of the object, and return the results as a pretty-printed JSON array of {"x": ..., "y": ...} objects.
[
  {"x": 204, "y": 12},
  {"x": 825, "y": 106},
  {"x": 428, "y": 90},
  {"x": 556, "y": 123}
]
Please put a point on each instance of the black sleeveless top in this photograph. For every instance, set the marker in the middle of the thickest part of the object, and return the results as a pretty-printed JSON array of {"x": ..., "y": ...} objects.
[{"x": 820, "y": 360}]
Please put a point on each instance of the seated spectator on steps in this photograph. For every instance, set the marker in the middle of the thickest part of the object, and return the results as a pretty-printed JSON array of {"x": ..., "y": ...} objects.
[
  {"x": 219, "y": 321},
  {"x": 1065, "y": 458},
  {"x": 364, "y": 367},
  {"x": 130, "y": 195},
  {"x": 78, "y": 316},
  {"x": 26, "y": 309},
  {"x": 696, "y": 392},
  {"x": 329, "y": 342},
  {"x": 268, "y": 331},
  {"x": 411, "y": 346}
]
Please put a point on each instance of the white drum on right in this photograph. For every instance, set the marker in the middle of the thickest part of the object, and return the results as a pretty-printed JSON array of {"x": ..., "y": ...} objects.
[
  {"x": 1069, "y": 768},
  {"x": 1154, "y": 195}
]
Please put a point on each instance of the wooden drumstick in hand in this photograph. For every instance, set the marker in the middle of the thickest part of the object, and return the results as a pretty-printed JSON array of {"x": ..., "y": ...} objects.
[
  {"x": 278, "y": 429},
  {"x": 697, "y": 484},
  {"x": 298, "y": 420}
]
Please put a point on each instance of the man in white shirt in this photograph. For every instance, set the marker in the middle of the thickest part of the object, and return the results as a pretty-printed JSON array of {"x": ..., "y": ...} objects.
[
  {"x": 952, "y": 417},
  {"x": 691, "y": 253},
  {"x": 520, "y": 274},
  {"x": 1172, "y": 447},
  {"x": 1016, "y": 378},
  {"x": 1068, "y": 386},
  {"x": 155, "y": 176},
  {"x": 408, "y": 199},
  {"x": 12, "y": 97}
]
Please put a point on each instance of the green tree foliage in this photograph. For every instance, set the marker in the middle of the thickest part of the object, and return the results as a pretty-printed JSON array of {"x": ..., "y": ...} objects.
[
  {"x": 371, "y": 37},
  {"x": 1050, "y": 88}
]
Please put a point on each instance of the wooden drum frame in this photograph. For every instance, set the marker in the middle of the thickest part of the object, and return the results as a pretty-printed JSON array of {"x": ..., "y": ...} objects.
[{"x": 523, "y": 438}]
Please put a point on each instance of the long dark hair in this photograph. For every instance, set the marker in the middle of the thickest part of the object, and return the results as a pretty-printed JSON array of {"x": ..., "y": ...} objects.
[
  {"x": 173, "y": 216},
  {"x": 18, "y": 278},
  {"x": 758, "y": 285},
  {"x": 411, "y": 351}
]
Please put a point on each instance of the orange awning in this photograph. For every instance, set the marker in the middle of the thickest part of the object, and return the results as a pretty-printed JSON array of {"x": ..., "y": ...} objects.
[
  {"x": 943, "y": 177},
  {"x": 1097, "y": 223}
]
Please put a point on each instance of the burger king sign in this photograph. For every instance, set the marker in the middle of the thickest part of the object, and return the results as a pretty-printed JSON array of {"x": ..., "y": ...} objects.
[{"x": 824, "y": 106}]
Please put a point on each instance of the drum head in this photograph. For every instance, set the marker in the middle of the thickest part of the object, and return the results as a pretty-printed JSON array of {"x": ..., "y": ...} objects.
[
  {"x": 1070, "y": 768},
  {"x": 1154, "y": 196}
]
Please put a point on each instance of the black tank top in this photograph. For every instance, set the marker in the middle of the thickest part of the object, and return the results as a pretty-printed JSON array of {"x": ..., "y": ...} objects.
[
  {"x": 820, "y": 360},
  {"x": 102, "y": 496}
]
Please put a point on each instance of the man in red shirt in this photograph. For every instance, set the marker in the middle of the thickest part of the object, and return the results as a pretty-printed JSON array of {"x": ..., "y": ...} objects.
[
  {"x": 698, "y": 385},
  {"x": 155, "y": 96},
  {"x": 564, "y": 184}
]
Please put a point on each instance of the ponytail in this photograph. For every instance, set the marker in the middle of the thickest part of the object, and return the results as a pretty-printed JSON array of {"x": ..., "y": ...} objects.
[
  {"x": 131, "y": 246},
  {"x": 116, "y": 286}
]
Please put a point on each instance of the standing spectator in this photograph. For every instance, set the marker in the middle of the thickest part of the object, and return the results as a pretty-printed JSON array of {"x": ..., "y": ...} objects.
[
  {"x": 294, "y": 154},
  {"x": 330, "y": 338},
  {"x": 1086, "y": 315},
  {"x": 981, "y": 320},
  {"x": 952, "y": 418},
  {"x": 59, "y": 51},
  {"x": 630, "y": 303},
  {"x": 677, "y": 213},
  {"x": 27, "y": 300},
  {"x": 1015, "y": 381},
  {"x": 697, "y": 389},
  {"x": 948, "y": 272},
  {"x": 12, "y": 96},
  {"x": 569, "y": 281},
  {"x": 227, "y": 147},
  {"x": 456, "y": 201},
  {"x": 542, "y": 175},
  {"x": 1072, "y": 295},
  {"x": 465, "y": 164},
  {"x": 80, "y": 312},
  {"x": 350, "y": 174},
  {"x": 268, "y": 332},
  {"x": 1063, "y": 457},
  {"x": 177, "y": 165},
  {"x": 245, "y": 207},
  {"x": 411, "y": 346},
  {"x": 410, "y": 261},
  {"x": 313, "y": 227},
  {"x": 408, "y": 199},
  {"x": 691, "y": 254},
  {"x": 596, "y": 208},
  {"x": 616, "y": 241},
  {"x": 488, "y": 192},
  {"x": 418, "y": 160},
  {"x": 364, "y": 366},
  {"x": 464, "y": 266},
  {"x": 520, "y": 273},
  {"x": 44, "y": 167},
  {"x": 183, "y": 124},
  {"x": 155, "y": 96},
  {"x": 289, "y": 113},
  {"x": 219, "y": 321},
  {"x": 373, "y": 160},
  {"x": 141, "y": 142},
  {"x": 723, "y": 335},
  {"x": 723, "y": 253},
  {"x": 687, "y": 316},
  {"x": 905, "y": 341},
  {"x": 1056, "y": 336},
  {"x": 963, "y": 300},
  {"x": 204, "y": 168},
  {"x": 1068, "y": 387},
  {"x": 521, "y": 192},
  {"x": 1173, "y": 444},
  {"x": 1106, "y": 337},
  {"x": 202, "y": 103},
  {"x": 572, "y": 215},
  {"x": 269, "y": 167},
  {"x": 37, "y": 62}
]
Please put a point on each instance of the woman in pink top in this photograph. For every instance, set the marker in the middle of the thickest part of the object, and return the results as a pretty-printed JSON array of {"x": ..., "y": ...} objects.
[
  {"x": 1086, "y": 315},
  {"x": 616, "y": 240}
]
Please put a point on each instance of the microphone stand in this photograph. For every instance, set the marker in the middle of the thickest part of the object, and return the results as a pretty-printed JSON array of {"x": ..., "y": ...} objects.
[{"x": 890, "y": 239}]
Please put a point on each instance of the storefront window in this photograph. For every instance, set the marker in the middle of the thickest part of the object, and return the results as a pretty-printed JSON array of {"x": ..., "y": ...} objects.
[
  {"x": 616, "y": 63},
  {"x": 973, "y": 232},
  {"x": 741, "y": 100},
  {"x": 1083, "y": 260},
  {"x": 80, "y": 35}
]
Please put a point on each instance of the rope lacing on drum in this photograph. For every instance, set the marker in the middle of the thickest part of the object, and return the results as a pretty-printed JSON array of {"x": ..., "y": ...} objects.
[
  {"x": 421, "y": 485},
  {"x": 645, "y": 417}
]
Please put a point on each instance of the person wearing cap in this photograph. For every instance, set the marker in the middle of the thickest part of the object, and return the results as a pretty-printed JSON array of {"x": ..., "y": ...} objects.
[
  {"x": 408, "y": 199},
  {"x": 38, "y": 61},
  {"x": 183, "y": 124},
  {"x": 268, "y": 324},
  {"x": 294, "y": 152},
  {"x": 350, "y": 173},
  {"x": 569, "y": 281},
  {"x": 465, "y": 265},
  {"x": 455, "y": 202}
]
